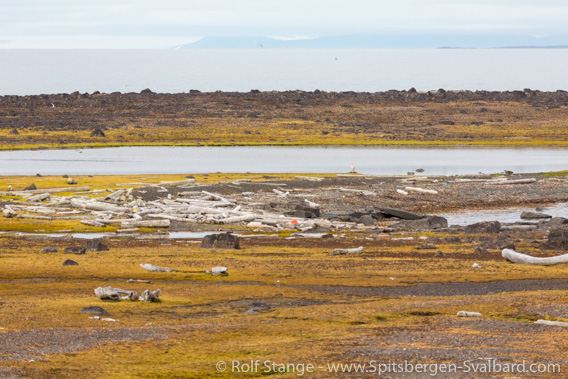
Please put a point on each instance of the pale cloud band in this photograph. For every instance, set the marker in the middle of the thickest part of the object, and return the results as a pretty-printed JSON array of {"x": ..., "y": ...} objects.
[{"x": 161, "y": 24}]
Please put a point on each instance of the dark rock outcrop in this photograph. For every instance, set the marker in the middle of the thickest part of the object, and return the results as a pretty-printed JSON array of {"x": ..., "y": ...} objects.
[
  {"x": 31, "y": 187},
  {"x": 485, "y": 227},
  {"x": 426, "y": 223},
  {"x": 220, "y": 241},
  {"x": 557, "y": 240},
  {"x": 96, "y": 245}
]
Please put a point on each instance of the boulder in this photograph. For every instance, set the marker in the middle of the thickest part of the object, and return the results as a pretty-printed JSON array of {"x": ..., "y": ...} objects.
[
  {"x": 401, "y": 213},
  {"x": 452, "y": 240},
  {"x": 534, "y": 215},
  {"x": 70, "y": 262},
  {"x": 31, "y": 187},
  {"x": 367, "y": 220},
  {"x": 14, "y": 131},
  {"x": 220, "y": 241},
  {"x": 97, "y": 132},
  {"x": 427, "y": 223},
  {"x": 480, "y": 250},
  {"x": 492, "y": 227},
  {"x": 96, "y": 245},
  {"x": 75, "y": 250},
  {"x": 97, "y": 311},
  {"x": 557, "y": 240},
  {"x": 49, "y": 249},
  {"x": 9, "y": 213}
]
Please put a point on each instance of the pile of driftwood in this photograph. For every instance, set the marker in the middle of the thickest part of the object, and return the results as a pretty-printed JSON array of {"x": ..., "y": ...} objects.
[{"x": 100, "y": 208}]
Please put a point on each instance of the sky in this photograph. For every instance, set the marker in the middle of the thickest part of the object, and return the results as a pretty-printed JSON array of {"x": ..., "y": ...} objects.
[{"x": 118, "y": 24}]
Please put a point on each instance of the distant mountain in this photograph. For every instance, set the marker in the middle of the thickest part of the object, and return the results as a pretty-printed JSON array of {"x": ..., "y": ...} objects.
[
  {"x": 393, "y": 41},
  {"x": 337, "y": 42},
  {"x": 534, "y": 47}
]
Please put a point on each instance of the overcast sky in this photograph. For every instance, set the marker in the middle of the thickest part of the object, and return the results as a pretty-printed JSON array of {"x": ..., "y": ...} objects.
[{"x": 165, "y": 23}]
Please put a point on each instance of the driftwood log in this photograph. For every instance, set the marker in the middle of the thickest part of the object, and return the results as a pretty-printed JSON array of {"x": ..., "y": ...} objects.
[
  {"x": 357, "y": 250},
  {"x": 515, "y": 257},
  {"x": 110, "y": 293},
  {"x": 152, "y": 268}
]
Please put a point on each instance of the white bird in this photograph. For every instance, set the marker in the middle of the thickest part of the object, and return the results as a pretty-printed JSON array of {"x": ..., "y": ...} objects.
[
  {"x": 353, "y": 169},
  {"x": 52, "y": 105}
]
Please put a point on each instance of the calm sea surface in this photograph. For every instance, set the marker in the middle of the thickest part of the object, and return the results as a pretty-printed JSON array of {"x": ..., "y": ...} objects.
[
  {"x": 265, "y": 159},
  {"x": 24, "y": 72}
]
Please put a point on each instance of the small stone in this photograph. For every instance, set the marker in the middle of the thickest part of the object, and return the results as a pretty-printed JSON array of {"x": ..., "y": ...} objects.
[
  {"x": 71, "y": 181},
  {"x": 97, "y": 132},
  {"x": 427, "y": 246},
  {"x": 97, "y": 311},
  {"x": 75, "y": 250},
  {"x": 14, "y": 131},
  {"x": 49, "y": 249},
  {"x": 480, "y": 250},
  {"x": 367, "y": 220},
  {"x": 476, "y": 265},
  {"x": 440, "y": 254},
  {"x": 70, "y": 262}
]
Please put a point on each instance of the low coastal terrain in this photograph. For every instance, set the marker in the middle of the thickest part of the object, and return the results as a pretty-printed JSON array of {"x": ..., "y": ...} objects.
[
  {"x": 329, "y": 268},
  {"x": 287, "y": 270},
  {"x": 284, "y": 118}
]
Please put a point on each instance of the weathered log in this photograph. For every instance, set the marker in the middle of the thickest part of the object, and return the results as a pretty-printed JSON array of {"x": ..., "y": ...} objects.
[
  {"x": 145, "y": 224},
  {"x": 468, "y": 314},
  {"x": 358, "y": 191},
  {"x": 421, "y": 190},
  {"x": 357, "y": 250},
  {"x": 236, "y": 219},
  {"x": 149, "y": 297},
  {"x": 98, "y": 206},
  {"x": 93, "y": 223},
  {"x": 37, "y": 198},
  {"x": 517, "y": 181},
  {"x": 401, "y": 213},
  {"x": 551, "y": 323},
  {"x": 152, "y": 268},
  {"x": 177, "y": 183},
  {"x": 513, "y": 256},
  {"x": 110, "y": 293},
  {"x": 51, "y": 190},
  {"x": 33, "y": 217}
]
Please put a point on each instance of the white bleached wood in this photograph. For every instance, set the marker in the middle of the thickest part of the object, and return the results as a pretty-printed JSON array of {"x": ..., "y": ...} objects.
[{"x": 513, "y": 256}]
